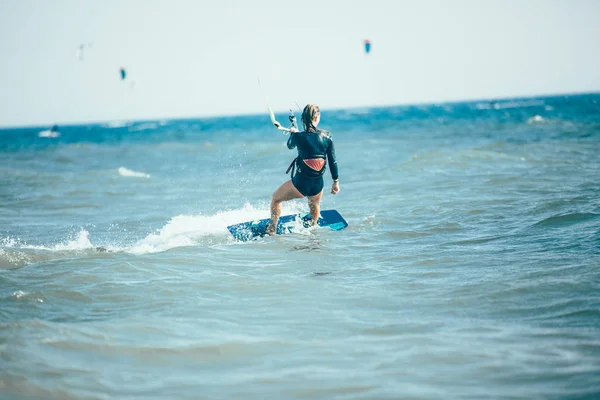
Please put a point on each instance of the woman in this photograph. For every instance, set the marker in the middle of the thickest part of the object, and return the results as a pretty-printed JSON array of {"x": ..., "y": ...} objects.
[{"x": 314, "y": 146}]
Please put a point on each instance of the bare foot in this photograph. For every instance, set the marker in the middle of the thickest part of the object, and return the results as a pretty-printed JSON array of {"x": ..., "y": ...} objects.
[
  {"x": 307, "y": 221},
  {"x": 269, "y": 230}
]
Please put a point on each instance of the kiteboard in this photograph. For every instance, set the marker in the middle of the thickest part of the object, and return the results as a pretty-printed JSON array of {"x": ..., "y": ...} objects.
[{"x": 287, "y": 223}]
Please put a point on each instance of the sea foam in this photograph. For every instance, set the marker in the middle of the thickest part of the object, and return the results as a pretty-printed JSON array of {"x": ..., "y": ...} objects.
[{"x": 129, "y": 173}]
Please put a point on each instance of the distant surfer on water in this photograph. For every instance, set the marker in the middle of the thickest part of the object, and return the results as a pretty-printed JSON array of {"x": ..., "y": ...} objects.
[{"x": 315, "y": 147}]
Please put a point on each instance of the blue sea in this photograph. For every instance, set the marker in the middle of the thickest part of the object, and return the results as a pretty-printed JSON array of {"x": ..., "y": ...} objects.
[{"x": 470, "y": 268}]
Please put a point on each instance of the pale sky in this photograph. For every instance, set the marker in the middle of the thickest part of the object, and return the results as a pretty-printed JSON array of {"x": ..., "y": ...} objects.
[{"x": 195, "y": 58}]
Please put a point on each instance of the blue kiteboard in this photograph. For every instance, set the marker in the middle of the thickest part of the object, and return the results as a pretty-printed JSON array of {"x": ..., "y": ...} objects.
[{"x": 287, "y": 223}]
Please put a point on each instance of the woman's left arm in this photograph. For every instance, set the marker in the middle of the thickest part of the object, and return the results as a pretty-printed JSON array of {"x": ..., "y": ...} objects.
[
  {"x": 335, "y": 188},
  {"x": 332, "y": 161}
]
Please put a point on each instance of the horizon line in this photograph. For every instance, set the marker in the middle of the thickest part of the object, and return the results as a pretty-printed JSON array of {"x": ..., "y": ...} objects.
[{"x": 249, "y": 114}]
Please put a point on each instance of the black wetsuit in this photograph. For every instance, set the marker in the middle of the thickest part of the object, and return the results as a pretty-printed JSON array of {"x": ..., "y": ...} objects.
[{"x": 312, "y": 145}]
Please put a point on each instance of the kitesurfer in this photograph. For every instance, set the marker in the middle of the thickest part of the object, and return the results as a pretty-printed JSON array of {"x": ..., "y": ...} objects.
[{"x": 314, "y": 146}]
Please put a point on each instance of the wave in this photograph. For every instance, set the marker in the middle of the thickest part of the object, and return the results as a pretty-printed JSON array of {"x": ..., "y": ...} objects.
[
  {"x": 536, "y": 119},
  {"x": 509, "y": 104},
  {"x": 117, "y": 124},
  {"x": 179, "y": 231},
  {"x": 189, "y": 230},
  {"x": 144, "y": 127},
  {"x": 48, "y": 134},
  {"x": 129, "y": 173},
  {"x": 80, "y": 242},
  {"x": 27, "y": 296},
  {"x": 556, "y": 221},
  {"x": 14, "y": 253},
  {"x": 437, "y": 158}
]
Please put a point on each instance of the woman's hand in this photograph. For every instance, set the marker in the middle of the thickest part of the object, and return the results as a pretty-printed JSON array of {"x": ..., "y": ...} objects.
[
  {"x": 335, "y": 188},
  {"x": 293, "y": 130}
]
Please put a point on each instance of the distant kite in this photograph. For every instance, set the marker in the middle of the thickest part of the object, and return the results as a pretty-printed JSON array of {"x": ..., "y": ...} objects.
[
  {"x": 80, "y": 50},
  {"x": 367, "y": 46},
  {"x": 123, "y": 73}
]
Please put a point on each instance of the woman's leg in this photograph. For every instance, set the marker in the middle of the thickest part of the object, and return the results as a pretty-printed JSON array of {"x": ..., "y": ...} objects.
[
  {"x": 285, "y": 192},
  {"x": 314, "y": 205}
]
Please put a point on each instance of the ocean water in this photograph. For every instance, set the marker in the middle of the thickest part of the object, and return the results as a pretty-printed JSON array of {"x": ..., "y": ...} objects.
[{"x": 470, "y": 267}]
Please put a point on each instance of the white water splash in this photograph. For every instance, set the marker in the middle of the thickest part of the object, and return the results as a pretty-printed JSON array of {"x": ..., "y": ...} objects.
[
  {"x": 9, "y": 242},
  {"x": 188, "y": 230},
  {"x": 129, "y": 173},
  {"x": 19, "y": 294},
  {"x": 536, "y": 119},
  {"x": 81, "y": 242},
  {"x": 143, "y": 127},
  {"x": 117, "y": 124},
  {"x": 179, "y": 231},
  {"x": 48, "y": 134}
]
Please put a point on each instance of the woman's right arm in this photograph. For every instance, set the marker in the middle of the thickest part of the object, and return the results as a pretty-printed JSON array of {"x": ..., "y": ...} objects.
[{"x": 291, "y": 143}]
